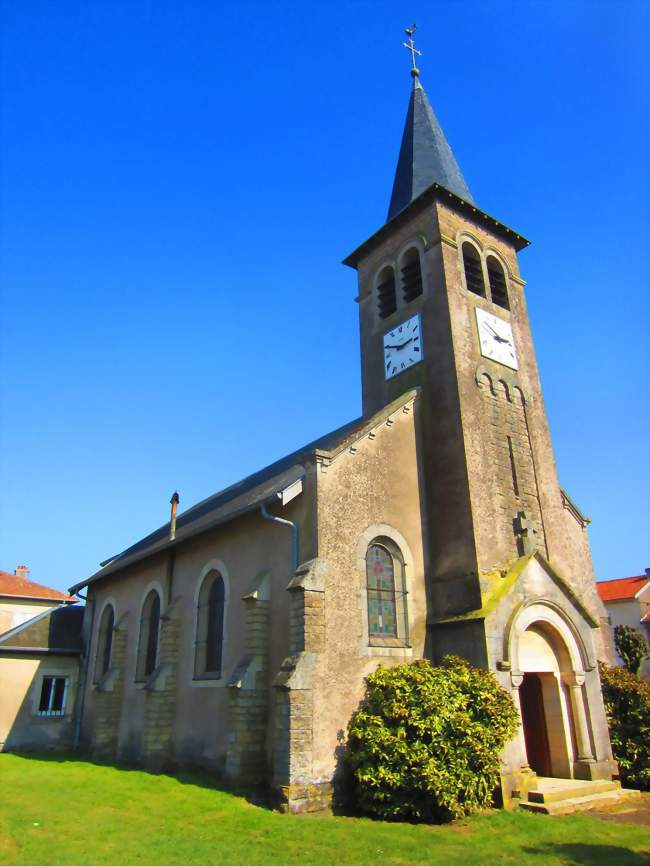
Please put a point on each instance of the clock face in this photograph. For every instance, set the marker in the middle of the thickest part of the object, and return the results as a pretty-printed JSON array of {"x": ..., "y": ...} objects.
[
  {"x": 496, "y": 339},
  {"x": 402, "y": 347}
]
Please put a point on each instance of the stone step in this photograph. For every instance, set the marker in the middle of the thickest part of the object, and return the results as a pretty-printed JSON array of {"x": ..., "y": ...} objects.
[
  {"x": 566, "y": 789},
  {"x": 580, "y": 804}
]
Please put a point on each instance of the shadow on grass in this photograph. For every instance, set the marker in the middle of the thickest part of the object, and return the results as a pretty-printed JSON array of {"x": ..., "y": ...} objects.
[
  {"x": 257, "y": 796},
  {"x": 583, "y": 854}
]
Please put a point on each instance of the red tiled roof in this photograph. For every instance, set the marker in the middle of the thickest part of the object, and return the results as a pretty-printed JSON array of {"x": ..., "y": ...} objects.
[
  {"x": 622, "y": 588},
  {"x": 20, "y": 587}
]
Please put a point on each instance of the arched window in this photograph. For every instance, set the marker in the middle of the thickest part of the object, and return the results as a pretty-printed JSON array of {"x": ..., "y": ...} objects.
[
  {"x": 411, "y": 275},
  {"x": 473, "y": 270},
  {"x": 386, "y": 593},
  {"x": 386, "y": 298},
  {"x": 498, "y": 285},
  {"x": 209, "y": 627},
  {"x": 149, "y": 634},
  {"x": 104, "y": 642}
]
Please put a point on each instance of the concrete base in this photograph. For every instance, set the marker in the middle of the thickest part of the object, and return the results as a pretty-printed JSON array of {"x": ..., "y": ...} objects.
[{"x": 564, "y": 796}]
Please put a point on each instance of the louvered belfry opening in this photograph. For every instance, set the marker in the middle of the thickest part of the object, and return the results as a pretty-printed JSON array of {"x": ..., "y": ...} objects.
[
  {"x": 498, "y": 287},
  {"x": 411, "y": 275},
  {"x": 473, "y": 270},
  {"x": 386, "y": 298}
]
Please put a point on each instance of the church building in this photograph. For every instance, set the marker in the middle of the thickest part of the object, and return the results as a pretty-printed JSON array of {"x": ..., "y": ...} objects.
[{"x": 237, "y": 637}]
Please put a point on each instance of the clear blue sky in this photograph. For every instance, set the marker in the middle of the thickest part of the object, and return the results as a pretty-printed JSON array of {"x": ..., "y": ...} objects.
[{"x": 179, "y": 184}]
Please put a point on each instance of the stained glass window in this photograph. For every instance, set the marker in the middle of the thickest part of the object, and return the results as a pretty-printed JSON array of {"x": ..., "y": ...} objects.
[{"x": 380, "y": 574}]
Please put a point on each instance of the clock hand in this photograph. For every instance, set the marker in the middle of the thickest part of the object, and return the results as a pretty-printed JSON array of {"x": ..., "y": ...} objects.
[
  {"x": 401, "y": 345},
  {"x": 496, "y": 336}
]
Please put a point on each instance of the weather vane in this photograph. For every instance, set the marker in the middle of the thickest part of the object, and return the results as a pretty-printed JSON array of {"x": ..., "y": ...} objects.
[{"x": 410, "y": 46}]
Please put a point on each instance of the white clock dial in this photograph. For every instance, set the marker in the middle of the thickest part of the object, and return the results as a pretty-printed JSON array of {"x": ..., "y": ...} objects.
[
  {"x": 402, "y": 347},
  {"x": 495, "y": 337}
]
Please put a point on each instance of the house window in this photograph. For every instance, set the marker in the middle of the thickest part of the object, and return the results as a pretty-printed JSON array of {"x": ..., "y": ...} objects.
[
  {"x": 473, "y": 270},
  {"x": 104, "y": 642},
  {"x": 209, "y": 627},
  {"x": 386, "y": 298},
  {"x": 411, "y": 275},
  {"x": 385, "y": 592},
  {"x": 149, "y": 635},
  {"x": 498, "y": 286},
  {"x": 53, "y": 694}
]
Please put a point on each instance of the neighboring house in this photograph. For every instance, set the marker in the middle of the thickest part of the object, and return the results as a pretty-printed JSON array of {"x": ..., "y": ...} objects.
[
  {"x": 40, "y": 649},
  {"x": 238, "y": 636},
  {"x": 627, "y": 601}
]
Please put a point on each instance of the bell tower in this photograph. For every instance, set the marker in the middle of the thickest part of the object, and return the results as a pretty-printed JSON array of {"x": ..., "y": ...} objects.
[{"x": 442, "y": 308}]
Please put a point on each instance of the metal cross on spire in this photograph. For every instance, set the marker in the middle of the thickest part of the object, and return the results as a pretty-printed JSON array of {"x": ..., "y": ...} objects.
[{"x": 410, "y": 46}]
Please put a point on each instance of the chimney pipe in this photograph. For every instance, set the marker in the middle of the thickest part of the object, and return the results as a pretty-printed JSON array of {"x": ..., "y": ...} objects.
[
  {"x": 172, "y": 523},
  {"x": 22, "y": 571}
]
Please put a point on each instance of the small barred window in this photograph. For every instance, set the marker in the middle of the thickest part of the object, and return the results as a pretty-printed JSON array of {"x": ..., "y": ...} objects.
[
  {"x": 411, "y": 275},
  {"x": 473, "y": 270},
  {"x": 498, "y": 286},
  {"x": 53, "y": 694},
  {"x": 386, "y": 298}
]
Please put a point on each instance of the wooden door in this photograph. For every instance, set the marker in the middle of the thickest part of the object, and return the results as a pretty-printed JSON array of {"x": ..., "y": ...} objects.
[{"x": 534, "y": 722}]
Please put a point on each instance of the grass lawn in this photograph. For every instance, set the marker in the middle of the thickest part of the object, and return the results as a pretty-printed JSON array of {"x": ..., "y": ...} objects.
[{"x": 73, "y": 812}]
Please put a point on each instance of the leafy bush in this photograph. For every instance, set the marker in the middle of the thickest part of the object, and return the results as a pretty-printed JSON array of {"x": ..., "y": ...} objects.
[
  {"x": 631, "y": 647},
  {"x": 627, "y": 704},
  {"x": 425, "y": 742}
]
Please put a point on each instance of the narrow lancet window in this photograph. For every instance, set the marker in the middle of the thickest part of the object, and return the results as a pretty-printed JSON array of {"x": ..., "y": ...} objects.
[
  {"x": 411, "y": 275},
  {"x": 498, "y": 285},
  {"x": 149, "y": 634},
  {"x": 209, "y": 627},
  {"x": 473, "y": 270},
  {"x": 386, "y": 298},
  {"x": 104, "y": 642}
]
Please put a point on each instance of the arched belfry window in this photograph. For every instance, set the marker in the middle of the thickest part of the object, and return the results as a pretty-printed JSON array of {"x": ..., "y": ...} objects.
[
  {"x": 473, "y": 270},
  {"x": 209, "y": 627},
  {"x": 411, "y": 275},
  {"x": 498, "y": 285},
  {"x": 149, "y": 636},
  {"x": 386, "y": 298},
  {"x": 387, "y": 615},
  {"x": 104, "y": 642}
]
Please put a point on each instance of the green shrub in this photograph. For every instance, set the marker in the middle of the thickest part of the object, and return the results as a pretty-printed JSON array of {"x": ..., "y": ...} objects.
[
  {"x": 631, "y": 647},
  {"x": 627, "y": 704},
  {"x": 425, "y": 743}
]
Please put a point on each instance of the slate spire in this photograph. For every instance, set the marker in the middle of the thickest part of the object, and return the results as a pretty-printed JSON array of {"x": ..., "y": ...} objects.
[{"x": 425, "y": 156}]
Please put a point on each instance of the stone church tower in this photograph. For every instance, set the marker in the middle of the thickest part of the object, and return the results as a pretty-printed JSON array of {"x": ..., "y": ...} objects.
[
  {"x": 442, "y": 309},
  {"x": 237, "y": 637}
]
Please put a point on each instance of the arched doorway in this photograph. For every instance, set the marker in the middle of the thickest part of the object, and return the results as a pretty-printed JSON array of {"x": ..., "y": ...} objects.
[{"x": 548, "y": 675}]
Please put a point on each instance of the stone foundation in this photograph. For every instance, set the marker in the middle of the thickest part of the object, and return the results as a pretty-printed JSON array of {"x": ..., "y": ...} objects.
[{"x": 306, "y": 798}]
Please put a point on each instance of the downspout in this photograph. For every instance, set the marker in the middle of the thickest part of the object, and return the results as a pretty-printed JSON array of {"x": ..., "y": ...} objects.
[
  {"x": 85, "y": 661},
  {"x": 294, "y": 534}
]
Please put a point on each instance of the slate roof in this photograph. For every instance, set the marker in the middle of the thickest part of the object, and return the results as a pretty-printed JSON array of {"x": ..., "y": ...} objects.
[
  {"x": 424, "y": 157},
  {"x": 15, "y": 586},
  {"x": 621, "y": 589},
  {"x": 242, "y": 497},
  {"x": 56, "y": 630}
]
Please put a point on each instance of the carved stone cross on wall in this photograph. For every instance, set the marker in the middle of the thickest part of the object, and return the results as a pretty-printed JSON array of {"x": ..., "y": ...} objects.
[{"x": 525, "y": 534}]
